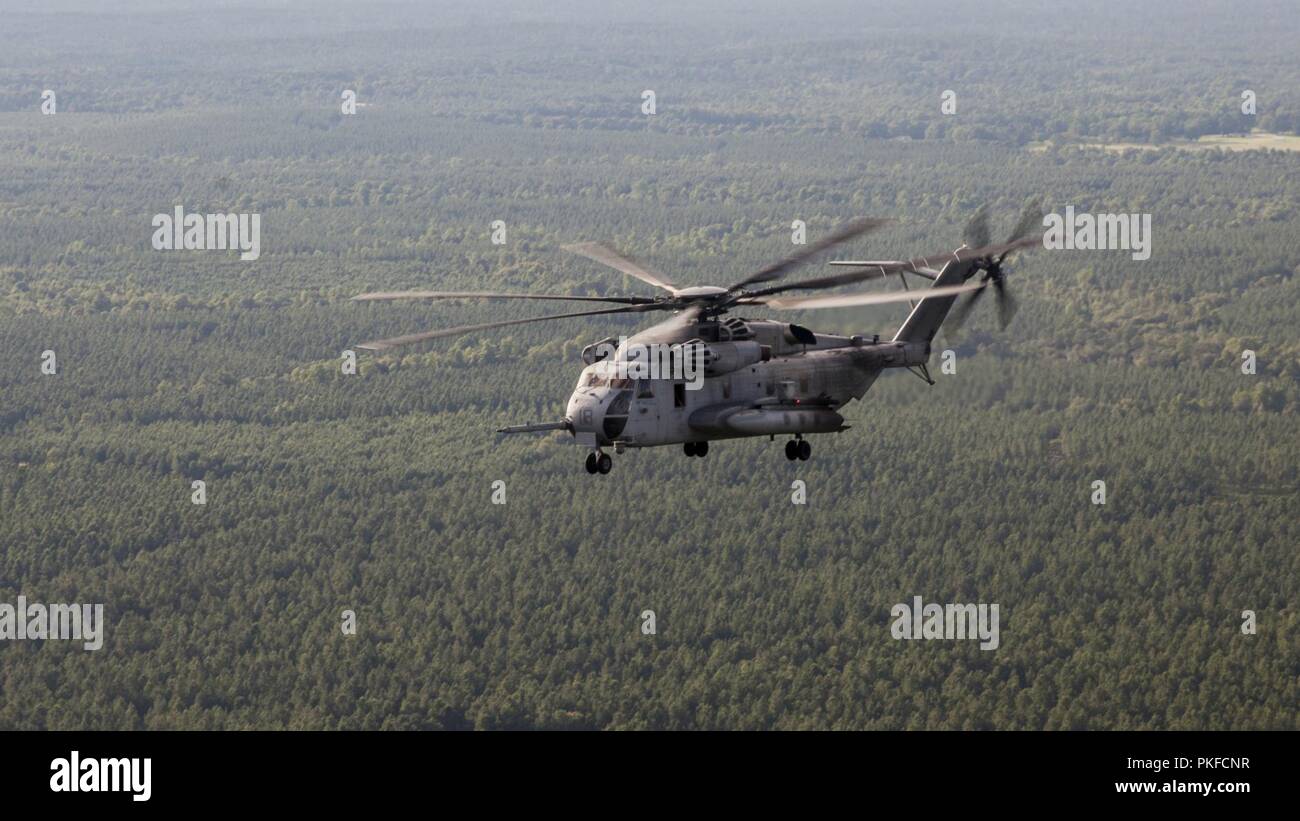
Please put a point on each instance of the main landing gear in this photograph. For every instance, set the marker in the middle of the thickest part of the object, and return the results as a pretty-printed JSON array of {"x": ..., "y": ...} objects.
[
  {"x": 696, "y": 449},
  {"x": 798, "y": 448},
  {"x": 598, "y": 462}
]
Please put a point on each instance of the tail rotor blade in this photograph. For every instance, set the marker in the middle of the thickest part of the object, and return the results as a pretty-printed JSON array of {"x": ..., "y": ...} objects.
[
  {"x": 1007, "y": 306},
  {"x": 976, "y": 232},
  {"x": 1030, "y": 218},
  {"x": 959, "y": 314}
]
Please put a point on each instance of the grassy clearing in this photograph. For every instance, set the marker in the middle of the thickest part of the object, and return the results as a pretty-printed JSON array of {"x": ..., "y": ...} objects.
[{"x": 1255, "y": 141}]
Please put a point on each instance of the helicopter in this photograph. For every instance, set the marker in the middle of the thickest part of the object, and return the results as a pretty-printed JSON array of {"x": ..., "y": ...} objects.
[{"x": 761, "y": 377}]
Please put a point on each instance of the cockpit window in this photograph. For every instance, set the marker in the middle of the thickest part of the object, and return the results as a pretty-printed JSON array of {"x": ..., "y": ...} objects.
[
  {"x": 645, "y": 389},
  {"x": 595, "y": 380},
  {"x": 619, "y": 407},
  {"x": 620, "y": 383}
]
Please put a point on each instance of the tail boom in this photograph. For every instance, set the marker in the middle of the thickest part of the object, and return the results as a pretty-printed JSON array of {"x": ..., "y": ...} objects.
[{"x": 928, "y": 315}]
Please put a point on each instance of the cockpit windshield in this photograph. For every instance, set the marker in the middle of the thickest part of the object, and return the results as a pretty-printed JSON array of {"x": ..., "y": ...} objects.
[{"x": 596, "y": 379}]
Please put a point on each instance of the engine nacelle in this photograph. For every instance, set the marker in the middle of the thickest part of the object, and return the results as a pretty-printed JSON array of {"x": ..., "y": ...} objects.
[
  {"x": 724, "y": 357},
  {"x": 597, "y": 351}
]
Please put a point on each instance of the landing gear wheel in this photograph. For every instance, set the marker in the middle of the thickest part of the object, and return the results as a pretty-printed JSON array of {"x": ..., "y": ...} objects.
[
  {"x": 605, "y": 463},
  {"x": 701, "y": 449},
  {"x": 805, "y": 450},
  {"x": 591, "y": 462},
  {"x": 792, "y": 450},
  {"x": 688, "y": 448}
]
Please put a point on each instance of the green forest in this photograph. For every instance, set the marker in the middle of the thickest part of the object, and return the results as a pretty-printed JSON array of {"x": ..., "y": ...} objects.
[{"x": 373, "y": 492}]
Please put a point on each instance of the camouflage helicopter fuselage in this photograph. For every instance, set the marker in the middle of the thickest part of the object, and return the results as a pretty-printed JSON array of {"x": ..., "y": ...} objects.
[{"x": 762, "y": 378}]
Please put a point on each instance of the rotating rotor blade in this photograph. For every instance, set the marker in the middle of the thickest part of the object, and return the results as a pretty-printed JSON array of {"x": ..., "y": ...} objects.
[
  {"x": 862, "y": 263},
  {"x": 388, "y": 296},
  {"x": 385, "y": 344},
  {"x": 921, "y": 266},
  {"x": 873, "y": 298},
  {"x": 1001, "y": 250},
  {"x": 961, "y": 312},
  {"x": 599, "y": 252},
  {"x": 1007, "y": 305},
  {"x": 1031, "y": 217},
  {"x": 779, "y": 269},
  {"x": 832, "y": 281},
  {"x": 976, "y": 232}
]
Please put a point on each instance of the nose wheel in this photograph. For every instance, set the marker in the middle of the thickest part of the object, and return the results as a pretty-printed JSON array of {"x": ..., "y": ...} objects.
[
  {"x": 598, "y": 462},
  {"x": 798, "y": 449},
  {"x": 696, "y": 448}
]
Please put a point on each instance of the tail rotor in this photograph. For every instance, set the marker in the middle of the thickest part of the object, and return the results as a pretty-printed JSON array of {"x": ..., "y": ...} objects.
[{"x": 989, "y": 268}]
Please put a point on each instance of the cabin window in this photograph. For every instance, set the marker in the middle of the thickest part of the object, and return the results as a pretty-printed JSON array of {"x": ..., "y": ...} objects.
[
  {"x": 645, "y": 389},
  {"x": 726, "y": 388},
  {"x": 679, "y": 394}
]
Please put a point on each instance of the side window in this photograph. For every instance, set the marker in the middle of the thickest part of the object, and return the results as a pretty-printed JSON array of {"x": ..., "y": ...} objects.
[
  {"x": 679, "y": 394},
  {"x": 726, "y": 387},
  {"x": 645, "y": 389}
]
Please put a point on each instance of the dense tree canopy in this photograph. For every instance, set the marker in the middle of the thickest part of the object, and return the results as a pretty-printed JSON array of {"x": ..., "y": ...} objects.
[{"x": 372, "y": 492}]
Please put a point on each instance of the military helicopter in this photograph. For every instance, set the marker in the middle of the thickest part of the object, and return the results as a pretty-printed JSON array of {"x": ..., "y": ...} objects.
[{"x": 761, "y": 377}]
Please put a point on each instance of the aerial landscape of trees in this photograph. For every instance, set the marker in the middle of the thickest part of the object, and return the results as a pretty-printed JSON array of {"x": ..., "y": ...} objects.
[{"x": 371, "y": 492}]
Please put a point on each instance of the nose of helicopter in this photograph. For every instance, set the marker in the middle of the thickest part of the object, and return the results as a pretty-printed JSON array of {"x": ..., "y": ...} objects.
[{"x": 584, "y": 413}]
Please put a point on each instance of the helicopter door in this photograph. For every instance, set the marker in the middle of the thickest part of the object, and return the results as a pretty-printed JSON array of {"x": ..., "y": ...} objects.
[
  {"x": 680, "y": 413},
  {"x": 646, "y": 405}
]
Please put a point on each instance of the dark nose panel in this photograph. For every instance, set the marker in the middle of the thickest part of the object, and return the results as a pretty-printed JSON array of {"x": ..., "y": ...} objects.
[{"x": 616, "y": 415}]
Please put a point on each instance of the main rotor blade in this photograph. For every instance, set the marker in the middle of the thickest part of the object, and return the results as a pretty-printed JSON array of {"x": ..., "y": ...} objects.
[
  {"x": 385, "y": 344},
  {"x": 599, "y": 252},
  {"x": 921, "y": 266},
  {"x": 386, "y": 296},
  {"x": 848, "y": 300},
  {"x": 832, "y": 281},
  {"x": 779, "y": 269}
]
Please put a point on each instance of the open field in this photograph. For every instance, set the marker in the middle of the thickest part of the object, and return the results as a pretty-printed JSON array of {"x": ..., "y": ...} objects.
[{"x": 1258, "y": 141}]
